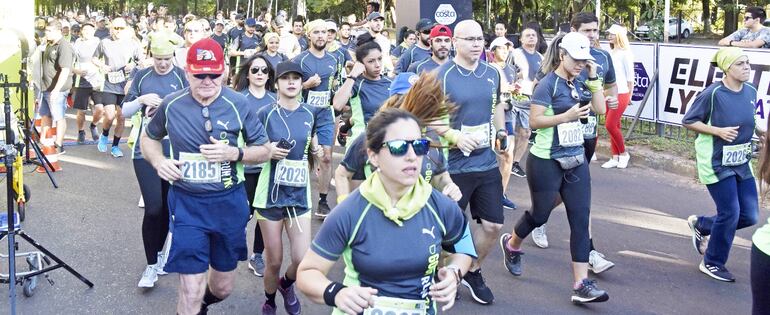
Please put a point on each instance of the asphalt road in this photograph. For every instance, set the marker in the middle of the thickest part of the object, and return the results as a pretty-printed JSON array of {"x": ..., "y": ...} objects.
[{"x": 93, "y": 223}]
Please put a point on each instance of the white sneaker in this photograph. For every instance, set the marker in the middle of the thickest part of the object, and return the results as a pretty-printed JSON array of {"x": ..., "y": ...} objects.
[
  {"x": 160, "y": 264},
  {"x": 597, "y": 263},
  {"x": 539, "y": 237},
  {"x": 593, "y": 157},
  {"x": 141, "y": 202},
  {"x": 623, "y": 160},
  {"x": 612, "y": 163},
  {"x": 149, "y": 277}
]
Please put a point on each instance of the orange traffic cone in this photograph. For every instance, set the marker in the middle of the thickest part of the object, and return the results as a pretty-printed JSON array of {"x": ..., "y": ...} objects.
[{"x": 49, "y": 150}]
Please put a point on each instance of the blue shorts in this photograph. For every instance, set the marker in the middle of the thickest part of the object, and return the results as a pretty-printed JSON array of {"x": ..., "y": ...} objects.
[
  {"x": 209, "y": 230},
  {"x": 326, "y": 137},
  {"x": 55, "y": 111}
]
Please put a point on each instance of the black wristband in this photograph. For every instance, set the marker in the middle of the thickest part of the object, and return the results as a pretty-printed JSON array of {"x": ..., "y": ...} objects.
[
  {"x": 331, "y": 292},
  {"x": 240, "y": 155},
  {"x": 593, "y": 79}
]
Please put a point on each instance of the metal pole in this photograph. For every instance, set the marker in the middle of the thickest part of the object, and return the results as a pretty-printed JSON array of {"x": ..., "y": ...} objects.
[
  {"x": 10, "y": 155},
  {"x": 666, "y": 17},
  {"x": 641, "y": 106},
  {"x": 599, "y": 12}
]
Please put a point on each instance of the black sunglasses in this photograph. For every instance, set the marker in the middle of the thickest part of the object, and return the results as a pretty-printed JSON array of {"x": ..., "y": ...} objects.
[
  {"x": 574, "y": 92},
  {"x": 426, "y": 32},
  {"x": 256, "y": 70},
  {"x": 746, "y": 18},
  {"x": 207, "y": 124},
  {"x": 400, "y": 147},
  {"x": 203, "y": 76}
]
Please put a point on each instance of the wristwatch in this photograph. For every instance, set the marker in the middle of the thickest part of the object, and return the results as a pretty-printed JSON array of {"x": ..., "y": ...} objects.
[
  {"x": 240, "y": 155},
  {"x": 351, "y": 77}
]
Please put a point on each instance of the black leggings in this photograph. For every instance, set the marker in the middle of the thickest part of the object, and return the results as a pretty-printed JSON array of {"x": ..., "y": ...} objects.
[
  {"x": 590, "y": 148},
  {"x": 251, "y": 189},
  {"x": 760, "y": 281},
  {"x": 546, "y": 182},
  {"x": 156, "y": 220}
]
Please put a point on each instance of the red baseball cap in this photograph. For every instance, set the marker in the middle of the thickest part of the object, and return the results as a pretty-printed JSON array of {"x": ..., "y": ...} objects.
[
  {"x": 440, "y": 30},
  {"x": 205, "y": 56}
]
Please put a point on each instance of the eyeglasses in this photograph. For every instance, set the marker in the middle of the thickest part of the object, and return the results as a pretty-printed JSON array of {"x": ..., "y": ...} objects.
[
  {"x": 400, "y": 147},
  {"x": 207, "y": 124},
  {"x": 256, "y": 70},
  {"x": 574, "y": 92},
  {"x": 472, "y": 39},
  {"x": 425, "y": 32},
  {"x": 203, "y": 76},
  {"x": 193, "y": 30}
]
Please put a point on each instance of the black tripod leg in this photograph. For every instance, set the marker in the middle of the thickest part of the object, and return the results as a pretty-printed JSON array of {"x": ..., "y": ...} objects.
[
  {"x": 43, "y": 160},
  {"x": 56, "y": 259}
]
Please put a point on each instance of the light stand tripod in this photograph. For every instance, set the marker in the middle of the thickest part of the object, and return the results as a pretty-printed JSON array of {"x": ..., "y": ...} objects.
[{"x": 14, "y": 228}]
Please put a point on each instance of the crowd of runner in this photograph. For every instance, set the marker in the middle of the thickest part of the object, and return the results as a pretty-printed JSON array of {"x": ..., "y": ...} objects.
[{"x": 234, "y": 117}]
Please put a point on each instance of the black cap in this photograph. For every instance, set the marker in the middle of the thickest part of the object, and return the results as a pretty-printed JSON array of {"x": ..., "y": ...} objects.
[
  {"x": 287, "y": 67},
  {"x": 239, "y": 16},
  {"x": 424, "y": 25},
  {"x": 374, "y": 15}
]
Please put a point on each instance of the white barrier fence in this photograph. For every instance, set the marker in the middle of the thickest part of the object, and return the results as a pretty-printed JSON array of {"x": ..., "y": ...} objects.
[{"x": 685, "y": 71}]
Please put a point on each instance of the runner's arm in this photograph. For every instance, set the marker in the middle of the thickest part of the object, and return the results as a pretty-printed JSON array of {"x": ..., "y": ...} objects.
[
  {"x": 312, "y": 281},
  {"x": 343, "y": 94},
  {"x": 342, "y": 180}
]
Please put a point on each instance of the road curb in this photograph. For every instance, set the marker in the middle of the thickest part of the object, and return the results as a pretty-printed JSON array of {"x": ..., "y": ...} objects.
[{"x": 645, "y": 157}]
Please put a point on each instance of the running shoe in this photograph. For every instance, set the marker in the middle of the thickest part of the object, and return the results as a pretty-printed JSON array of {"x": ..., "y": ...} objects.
[
  {"x": 342, "y": 138},
  {"x": 508, "y": 204},
  {"x": 116, "y": 152},
  {"x": 102, "y": 144},
  {"x": 94, "y": 133},
  {"x": 161, "y": 264},
  {"x": 588, "y": 293},
  {"x": 698, "y": 240},
  {"x": 517, "y": 171},
  {"x": 597, "y": 263},
  {"x": 290, "y": 300},
  {"x": 539, "y": 237},
  {"x": 479, "y": 290},
  {"x": 60, "y": 149},
  {"x": 268, "y": 309},
  {"x": 512, "y": 260},
  {"x": 149, "y": 277},
  {"x": 716, "y": 272},
  {"x": 81, "y": 136},
  {"x": 257, "y": 264},
  {"x": 612, "y": 163},
  {"x": 323, "y": 209}
]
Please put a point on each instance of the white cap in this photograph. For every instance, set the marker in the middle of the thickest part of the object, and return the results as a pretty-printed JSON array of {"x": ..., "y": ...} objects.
[
  {"x": 65, "y": 24},
  {"x": 331, "y": 26},
  {"x": 617, "y": 29},
  {"x": 500, "y": 41},
  {"x": 577, "y": 46}
]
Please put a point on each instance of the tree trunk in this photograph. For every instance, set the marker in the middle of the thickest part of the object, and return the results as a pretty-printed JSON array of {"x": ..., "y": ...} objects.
[
  {"x": 706, "y": 16},
  {"x": 731, "y": 20}
]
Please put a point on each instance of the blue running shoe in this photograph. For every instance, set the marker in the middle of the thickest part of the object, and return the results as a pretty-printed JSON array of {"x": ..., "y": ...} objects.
[
  {"x": 102, "y": 144},
  {"x": 508, "y": 204},
  {"x": 116, "y": 152}
]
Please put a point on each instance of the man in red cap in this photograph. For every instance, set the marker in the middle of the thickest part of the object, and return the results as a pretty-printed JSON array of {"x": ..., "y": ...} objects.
[
  {"x": 440, "y": 45},
  {"x": 212, "y": 132}
]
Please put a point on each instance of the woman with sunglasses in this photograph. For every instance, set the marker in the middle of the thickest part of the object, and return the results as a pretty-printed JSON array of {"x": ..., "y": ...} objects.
[
  {"x": 724, "y": 116},
  {"x": 557, "y": 161},
  {"x": 368, "y": 231},
  {"x": 255, "y": 80},
  {"x": 426, "y": 101},
  {"x": 282, "y": 196},
  {"x": 147, "y": 90},
  {"x": 270, "y": 44},
  {"x": 365, "y": 88}
]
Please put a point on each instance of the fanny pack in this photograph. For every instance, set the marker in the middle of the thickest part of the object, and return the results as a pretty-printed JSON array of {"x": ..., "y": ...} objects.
[{"x": 570, "y": 162}]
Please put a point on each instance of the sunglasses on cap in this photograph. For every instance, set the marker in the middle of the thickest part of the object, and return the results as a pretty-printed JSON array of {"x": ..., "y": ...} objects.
[
  {"x": 400, "y": 147},
  {"x": 256, "y": 70},
  {"x": 203, "y": 76},
  {"x": 574, "y": 92}
]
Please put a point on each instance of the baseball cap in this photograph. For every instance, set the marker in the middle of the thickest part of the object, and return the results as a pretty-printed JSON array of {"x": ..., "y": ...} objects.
[
  {"x": 500, "y": 41},
  {"x": 424, "y": 25},
  {"x": 287, "y": 67},
  {"x": 65, "y": 24},
  {"x": 251, "y": 22},
  {"x": 440, "y": 30},
  {"x": 402, "y": 83},
  {"x": 577, "y": 46},
  {"x": 616, "y": 29},
  {"x": 239, "y": 16},
  {"x": 218, "y": 22},
  {"x": 374, "y": 15},
  {"x": 163, "y": 43},
  {"x": 205, "y": 56},
  {"x": 330, "y": 25}
]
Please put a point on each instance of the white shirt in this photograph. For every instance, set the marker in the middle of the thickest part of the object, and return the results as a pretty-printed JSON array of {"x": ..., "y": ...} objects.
[{"x": 623, "y": 61}]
